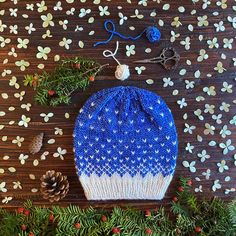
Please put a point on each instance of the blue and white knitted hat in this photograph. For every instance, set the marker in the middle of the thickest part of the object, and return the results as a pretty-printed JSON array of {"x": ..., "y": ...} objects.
[{"x": 125, "y": 144}]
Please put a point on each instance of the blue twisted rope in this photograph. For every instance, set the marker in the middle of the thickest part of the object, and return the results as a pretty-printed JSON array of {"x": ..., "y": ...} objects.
[{"x": 152, "y": 33}]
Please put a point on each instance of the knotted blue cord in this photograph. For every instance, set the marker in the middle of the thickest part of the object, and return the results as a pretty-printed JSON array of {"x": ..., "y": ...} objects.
[{"x": 152, "y": 33}]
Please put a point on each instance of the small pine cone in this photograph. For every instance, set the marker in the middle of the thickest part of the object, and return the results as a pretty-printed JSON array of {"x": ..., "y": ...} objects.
[
  {"x": 54, "y": 185},
  {"x": 36, "y": 144}
]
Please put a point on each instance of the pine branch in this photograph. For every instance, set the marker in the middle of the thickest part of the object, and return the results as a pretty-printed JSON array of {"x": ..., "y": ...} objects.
[{"x": 56, "y": 87}]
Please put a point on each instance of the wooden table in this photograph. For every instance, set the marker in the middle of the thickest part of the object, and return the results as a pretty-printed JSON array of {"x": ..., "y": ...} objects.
[{"x": 21, "y": 178}]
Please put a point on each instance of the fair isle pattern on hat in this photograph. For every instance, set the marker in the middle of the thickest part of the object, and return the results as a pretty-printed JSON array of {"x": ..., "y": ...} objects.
[{"x": 125, "y": 145}]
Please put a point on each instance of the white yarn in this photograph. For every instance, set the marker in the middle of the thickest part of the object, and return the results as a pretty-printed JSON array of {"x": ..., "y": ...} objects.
[{"x": 122, "y": 71}]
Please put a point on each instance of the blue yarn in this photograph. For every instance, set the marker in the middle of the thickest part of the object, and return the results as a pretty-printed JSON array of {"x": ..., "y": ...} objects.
[{"x": 152, "y": 33}]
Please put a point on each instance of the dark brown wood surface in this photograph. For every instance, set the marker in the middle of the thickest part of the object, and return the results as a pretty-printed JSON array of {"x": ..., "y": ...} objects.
[{"x": 106, "y": 80}]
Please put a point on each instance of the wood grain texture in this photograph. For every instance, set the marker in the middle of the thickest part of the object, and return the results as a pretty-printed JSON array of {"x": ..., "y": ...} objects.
[{"x": 106, "y": 80}]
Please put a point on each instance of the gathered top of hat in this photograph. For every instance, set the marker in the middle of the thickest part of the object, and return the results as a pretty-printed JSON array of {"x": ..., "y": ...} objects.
[
  {"x": 152, "y": 33},
  {"x": 125, "y": 144}
]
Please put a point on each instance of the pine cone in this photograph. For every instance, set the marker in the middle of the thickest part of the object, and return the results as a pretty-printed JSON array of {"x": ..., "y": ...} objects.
[
  {"x": 54, "y": 185},
  {"x": 36, "y": 143}
]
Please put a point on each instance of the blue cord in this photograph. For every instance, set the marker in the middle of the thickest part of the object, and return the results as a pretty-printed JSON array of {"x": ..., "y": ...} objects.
[{"x": 152, "y": 33}]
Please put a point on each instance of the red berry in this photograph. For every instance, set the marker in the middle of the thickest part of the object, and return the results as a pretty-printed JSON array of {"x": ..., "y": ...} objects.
[
  {"x": 189, "y": 182},
  {"x": 104, "y": 218},
  {"x": 20, "y": 210},
  {"x": 148, "y": 231},
  {"x": 51, "y": 92},
  {"x": 30, "y": 234},
  {"x": 77, "y": 225},
  {"x": 198, "y": 229},
  {"x": 91, "y": 78},
  {"x": 148, "y": 213},
  {"x": 175, "y": 199},
  {"x": 180, "y": 189},
  {"x": 27, "y": 212},
  {"x": 77, "y": 66},
  {"x": 23, "y": 227},
  {"x": 51, "y": 217},
  {"x": 115, "y": 230}
]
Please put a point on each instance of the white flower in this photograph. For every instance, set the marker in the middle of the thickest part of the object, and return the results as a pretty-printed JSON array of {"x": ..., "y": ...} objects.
[
  {"x": 209, "y": 108},
  {"x": 6, "y": 199},
  {"x": 216, "y": 185},
  {"x": 225, "y": 107},
  {"x": 130, "y": 50},
  {"x": 189, "y": 84},
  {"x": 58, "y": 131},
  {"x": 233, "y": 121},
  {"x": 232, "y": 20},
  {"x": 227, "y": 146},
  {"x": 182, "y": 103},
  {"x": 13, "y": 12},
  {"x": 65, "y": 43},
  {"x": 142, "y": 2},
  {"x": 217, "y": 118},
  {"x": 202, "y": 55},
  {"x": 22, "y": 64},
  {"x": 222, "y": 166},
  {"x": 84, "y": 12},
  {"x": 140, "y": 69},
  {"x": 22, "y": 43},
  {"x": 30, "y": 6},
  {"x": 205, "y": 4},
  {"x": 224, "y": 131},
  {"x": 2, "y": 26},
  {"x": 203, "y": 155},
  {"x": 219, "y": 26},
  {"x": 219, "y": 67},
  {"x": 176, "y": 22},
  {"x": 174, "y": 36},
  {"x": 30, "y": 28},
  {"x": 12, "y": 52},
  {"x": 26, "y": 106},
  {"x": 64, "y": 24},
  {"x": 13, "y": 29},
  {"x": 202, "y": 21},
  {"x": 24, "y": 121},
  {"x": 13, "y": 82},
  {"x": 227, "y": 87},
  {"x": 207, "y": 174},
  {"x": 122, "y": 18},
  {"x": 213, "y": 43},
  {"x": 103, "y": 11},
  {"x": 18, "y": 141},
  {"x": 43, "y": 52},
  {"x": 23, "y": 158},
  {"x": 46, "y": 116},
  {"x": 47, "y": 34},
  {"x": 209, "y": 129},
  {"x": 20, "y": 95},
  {"x": 58, "y": 6},
  {"x": 210, "y": 90},
  {"x": 3, "y": 187},
  {"x": 228, "y": 43},
  {"x": 222, "y": 4},
  {"x": 186, "y": 43},
  {"x": 70, "y": 11},
  {"x": 189, "y": 129},
  {"x": 167, "y": 82},
  {"x": 17, "y": 185},
  {"x": 60, "y": 152},
  {"x": 189, "y": 148},
  {"x": 47, "y": 20},
  {"x": 42, "y": 6},
  {"x": 4, "y": 41}
]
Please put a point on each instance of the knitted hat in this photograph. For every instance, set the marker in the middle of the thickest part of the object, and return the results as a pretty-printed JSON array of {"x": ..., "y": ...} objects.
[{"x": 125, "y": 144}]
